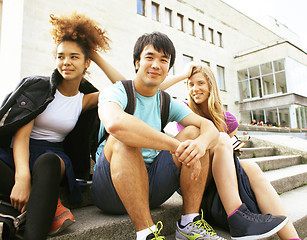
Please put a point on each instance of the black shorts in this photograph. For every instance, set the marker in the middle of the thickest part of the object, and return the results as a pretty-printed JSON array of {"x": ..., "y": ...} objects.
[
  {"x": 212, "y": 206},
  {"x": 163, "y": 176}
]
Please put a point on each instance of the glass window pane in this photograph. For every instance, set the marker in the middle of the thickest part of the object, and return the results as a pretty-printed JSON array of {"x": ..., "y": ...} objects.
[
  {"x": 271, "y": 117},
  {"x": 205, "y": 62},
  {"x": 186, "y": 59},
  {"x": 259, "y": 116},
  {"x": 244, "y": 90},
  {"x": 180, "y": 21},
  {"x": 201, "y": 31},
  {"x": 155, "y": 11},
  {"x": 255, "y": 87},
  {"x": 254, "y": 71},
  {"x": 281, "y": 85},
  {"x": 242, "y": 74},
  {"x": 220, "y": 36},
  {"x": 266, "y": 68},
  {"x": 221, "y": 77},
  {"x": 191, "y": 27},
  {"x": 279, "y": 65},
  {"x": 211, "y": 32},
  {"x": 141, "y": 7},
  {"x": 284, "y": 117},
  {"x": 168, "y": 16},
  {"x": 268, "y": 85}
]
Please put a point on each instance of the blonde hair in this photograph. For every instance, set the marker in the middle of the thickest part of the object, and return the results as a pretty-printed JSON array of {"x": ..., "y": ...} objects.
[{"x": 214, "y": 102}]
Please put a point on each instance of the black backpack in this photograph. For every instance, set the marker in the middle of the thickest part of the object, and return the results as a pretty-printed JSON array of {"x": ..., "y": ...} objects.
[{"x": 130, "y": 108}]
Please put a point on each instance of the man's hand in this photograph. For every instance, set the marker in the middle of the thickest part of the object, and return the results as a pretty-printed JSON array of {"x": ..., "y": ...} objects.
[{"x": 189, "y": 153}]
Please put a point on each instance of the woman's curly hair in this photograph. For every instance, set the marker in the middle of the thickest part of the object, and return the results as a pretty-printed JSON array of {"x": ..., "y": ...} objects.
[{"x": 80, "y": 29}]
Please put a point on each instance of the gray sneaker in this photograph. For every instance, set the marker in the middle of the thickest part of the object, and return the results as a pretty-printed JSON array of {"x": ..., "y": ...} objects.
[
  {"x": 245, "y": 225},
  {"x": 198, "y": 229}
]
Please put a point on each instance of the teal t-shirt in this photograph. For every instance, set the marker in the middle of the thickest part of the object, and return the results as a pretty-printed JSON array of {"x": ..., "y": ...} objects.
[{"x": 147, "y": 109}]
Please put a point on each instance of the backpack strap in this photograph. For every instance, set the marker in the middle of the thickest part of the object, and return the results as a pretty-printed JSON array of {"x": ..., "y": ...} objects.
[
  {"x": 165, "y": 100},
  {"x": 130, "y": 91},
  {"x": 131, "y": 103}
]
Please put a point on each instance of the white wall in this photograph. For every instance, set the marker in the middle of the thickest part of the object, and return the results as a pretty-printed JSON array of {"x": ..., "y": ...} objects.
[
  {"x": 296, "y": 76},
  {"x": 11, "y": 45}
]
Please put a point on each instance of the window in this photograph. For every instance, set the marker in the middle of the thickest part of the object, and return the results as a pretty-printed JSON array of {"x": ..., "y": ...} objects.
[
  {"x": 205, "y": 63},
  {"x": 186, "y": 59},
  {"x": 201, "y": 31},
  {"x": 221, "y": 77},
  {"x": 191, "y": 27},
  {"x": 155, "y": 11},
  {"x": 168, "y": 17},
  {"x": 141, "y": 7},
  {"x": 261, "y": 80},
  {"x": 211, "y": 32},
  {"x": 180, "y": 21},
  {"x": 219, "y": 34}
]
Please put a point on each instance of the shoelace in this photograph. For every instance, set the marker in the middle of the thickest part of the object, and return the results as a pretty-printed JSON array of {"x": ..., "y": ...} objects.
[
  {"x": 201, "y": 223},
  {"x": 157, "y": 232},
  {"x": 257, "y": 217}
]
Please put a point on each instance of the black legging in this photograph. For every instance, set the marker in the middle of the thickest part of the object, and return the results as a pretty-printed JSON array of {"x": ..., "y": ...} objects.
[{"x": 46, "y": 176}]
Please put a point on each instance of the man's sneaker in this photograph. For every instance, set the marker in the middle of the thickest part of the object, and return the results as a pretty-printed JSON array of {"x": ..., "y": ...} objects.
[
  {"x": 245, "y": 225},
  {"x": 198, "y": 229},
  {"x": 156, "y": 235},
  {"x": 62, "y": 219}
]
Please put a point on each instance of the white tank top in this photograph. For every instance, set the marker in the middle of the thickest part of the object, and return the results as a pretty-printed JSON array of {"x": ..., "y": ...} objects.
[{"x": 58, "y": 119}]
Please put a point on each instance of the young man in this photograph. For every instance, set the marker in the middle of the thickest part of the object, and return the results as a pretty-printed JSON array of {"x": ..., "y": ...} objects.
[{"x": 130, "y": 175}]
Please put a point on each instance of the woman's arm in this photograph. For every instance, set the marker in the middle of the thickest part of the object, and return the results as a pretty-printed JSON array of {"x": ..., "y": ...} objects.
[
  {"x": 171, "y": 80},
  {"x": 107, "y": 68},
  {"x": 91, "y": 100},
  {"x": 22, "y": 187}
]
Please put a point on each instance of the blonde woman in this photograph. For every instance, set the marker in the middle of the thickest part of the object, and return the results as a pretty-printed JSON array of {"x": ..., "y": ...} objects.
[{"x": 255, "y": 190}]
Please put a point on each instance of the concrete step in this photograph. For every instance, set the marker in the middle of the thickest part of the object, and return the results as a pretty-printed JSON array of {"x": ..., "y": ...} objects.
[
  {"x": 91, "y": 223},
  {"x": 257, "y": 152},
  {"x": 275, "y": 162},
  {"x": 288, "y": 178}
]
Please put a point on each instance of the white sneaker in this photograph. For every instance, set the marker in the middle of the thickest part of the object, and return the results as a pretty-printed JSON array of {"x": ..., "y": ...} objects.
[{"x": 199, "y": 229}]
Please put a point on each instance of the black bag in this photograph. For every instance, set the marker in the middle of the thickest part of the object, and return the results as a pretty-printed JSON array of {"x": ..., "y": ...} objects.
[{"x": 12, "y": 221}]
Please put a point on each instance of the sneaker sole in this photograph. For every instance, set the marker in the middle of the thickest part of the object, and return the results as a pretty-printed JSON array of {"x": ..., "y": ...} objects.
[
  {"x": 65, "y": 225},
  {"x": 264, "y": 235}
]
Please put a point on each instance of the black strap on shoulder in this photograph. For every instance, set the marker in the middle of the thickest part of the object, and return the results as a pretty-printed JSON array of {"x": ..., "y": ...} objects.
[
  {"x": 131, "y": 97},
  {"x": 130, "y": 91},
  {"x": 165, "y": 100},
  {"x": 131, "y": 103}
]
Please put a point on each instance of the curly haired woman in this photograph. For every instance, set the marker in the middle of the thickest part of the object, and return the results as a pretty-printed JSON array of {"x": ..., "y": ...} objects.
[{"x": 45, "y": 125}]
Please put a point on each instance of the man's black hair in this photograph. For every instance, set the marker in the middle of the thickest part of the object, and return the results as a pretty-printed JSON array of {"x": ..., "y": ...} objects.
[{"x": 160, "y": 42}]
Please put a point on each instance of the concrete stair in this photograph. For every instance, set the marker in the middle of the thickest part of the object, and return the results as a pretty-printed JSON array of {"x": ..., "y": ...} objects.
[{"x": 282, "y": 165}]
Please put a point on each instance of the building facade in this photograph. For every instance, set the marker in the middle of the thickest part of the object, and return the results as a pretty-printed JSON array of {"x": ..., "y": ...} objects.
[{"x": 261, "y": 75}]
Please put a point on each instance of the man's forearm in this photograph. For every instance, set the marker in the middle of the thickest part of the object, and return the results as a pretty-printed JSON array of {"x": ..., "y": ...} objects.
[{"x": 136, "y": 133}]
